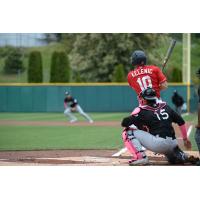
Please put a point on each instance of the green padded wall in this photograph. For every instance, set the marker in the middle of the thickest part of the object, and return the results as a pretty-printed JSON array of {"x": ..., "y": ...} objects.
[{"x": 92, "y": 98}]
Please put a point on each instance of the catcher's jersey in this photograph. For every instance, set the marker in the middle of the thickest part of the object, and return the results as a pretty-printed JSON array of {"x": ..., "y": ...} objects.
[
  {"x": 70, "y": 101},
  {"x": 146, "y": 76},
  {"x": 157, "y": 121}
]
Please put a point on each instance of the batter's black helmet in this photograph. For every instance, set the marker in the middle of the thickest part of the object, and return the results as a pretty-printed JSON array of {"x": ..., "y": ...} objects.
[
  {"x": 148, "y": 94},
  {"x": 138, "y": 57}
]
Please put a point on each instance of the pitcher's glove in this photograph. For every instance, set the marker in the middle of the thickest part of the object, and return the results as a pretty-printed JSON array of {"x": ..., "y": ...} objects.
[{"x": 73, "y": 109}]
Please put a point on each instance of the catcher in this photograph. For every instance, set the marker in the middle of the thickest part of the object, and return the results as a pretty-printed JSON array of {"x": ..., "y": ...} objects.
[
  {"x": 159, "y": 136},
  {"x": 71, "y": 105}
]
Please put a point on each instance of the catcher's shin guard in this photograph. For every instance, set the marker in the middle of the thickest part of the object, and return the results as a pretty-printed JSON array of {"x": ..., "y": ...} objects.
[{"x": 132, "y": 144}]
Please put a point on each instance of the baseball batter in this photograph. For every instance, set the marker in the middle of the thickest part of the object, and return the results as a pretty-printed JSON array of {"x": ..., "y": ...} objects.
[
  {"x": 71, "y": 105},
  {"x": 143, "y": 76},
  {"x": 150, "y": 125}
]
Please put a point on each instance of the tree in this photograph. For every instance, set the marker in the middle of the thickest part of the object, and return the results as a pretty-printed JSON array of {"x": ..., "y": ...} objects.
[
  {"x": 119, "y": 75},
  {"x": 64, "y": 68},
  {"x": 95, "y": 55},
  {"x": 54, "y": 64},
  {"x": 60, "y": 68},
  {"x": 77, "y": 77},
  {"x": 13, "y": 62},
  {"x": 174, "y": 75},
  {"x": 35, "y": 69}
]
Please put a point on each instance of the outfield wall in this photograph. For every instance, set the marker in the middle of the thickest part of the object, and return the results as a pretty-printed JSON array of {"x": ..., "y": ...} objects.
[{"x": 92, "y": 97}]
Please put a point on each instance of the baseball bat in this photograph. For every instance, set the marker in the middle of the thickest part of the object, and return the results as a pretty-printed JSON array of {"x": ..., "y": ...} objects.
[{"x": 169, "y": 52}]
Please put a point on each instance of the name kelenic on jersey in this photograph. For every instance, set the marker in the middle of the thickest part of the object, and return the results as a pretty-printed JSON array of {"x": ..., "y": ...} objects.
[{"x": 138, "y": 72}]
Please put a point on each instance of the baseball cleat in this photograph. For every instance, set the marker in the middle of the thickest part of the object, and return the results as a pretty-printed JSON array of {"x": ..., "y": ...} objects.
[
  {"x": 198, "y": 163},
  {"x": 192, "y": 160},
  {"x": 143, "y": 161}
]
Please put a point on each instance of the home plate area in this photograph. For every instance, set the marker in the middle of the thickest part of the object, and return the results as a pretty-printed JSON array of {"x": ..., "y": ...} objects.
[{"x": 77, "y": 158}]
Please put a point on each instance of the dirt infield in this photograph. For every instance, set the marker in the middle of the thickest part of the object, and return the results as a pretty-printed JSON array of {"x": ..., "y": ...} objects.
[{"x": 74, "y": 158}]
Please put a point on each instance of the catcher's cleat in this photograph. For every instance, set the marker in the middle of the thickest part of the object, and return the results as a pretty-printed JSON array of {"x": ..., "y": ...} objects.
[
  {"x": 142, "y": 161},
  {"x": 198, "y": 163},
  {"x": 177, "y": 157},
  {"x": 193, "y": 160}
]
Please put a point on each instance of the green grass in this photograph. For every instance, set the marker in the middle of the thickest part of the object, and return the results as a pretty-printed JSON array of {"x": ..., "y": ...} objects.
[
  {"x": 43, "y": 138},
  {"x": 59, "y": 137},
  {"x": 192, "y": 118},
  {"x": 192, "y": 139},
  {"x": 60, "y": 116},
  {"x": 65, "y": 137}
]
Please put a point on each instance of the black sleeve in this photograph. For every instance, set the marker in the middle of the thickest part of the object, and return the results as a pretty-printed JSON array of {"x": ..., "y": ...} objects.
[
  {"x": 176, "y": 118},
  {"x": 127, "y": 121}
]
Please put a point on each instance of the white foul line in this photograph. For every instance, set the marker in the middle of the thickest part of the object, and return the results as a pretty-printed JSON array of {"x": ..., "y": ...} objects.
[
  {"x": 189, "y": 131},
  {"x": 120, "y": 152}
]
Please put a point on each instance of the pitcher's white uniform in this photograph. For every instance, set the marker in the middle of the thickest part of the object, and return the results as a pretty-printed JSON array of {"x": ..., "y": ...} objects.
[{"x": 71, "y": 105}]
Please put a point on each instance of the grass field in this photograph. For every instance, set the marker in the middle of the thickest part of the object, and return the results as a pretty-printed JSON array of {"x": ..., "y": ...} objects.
[
  {"x": 60, "y": 116},
  {"x": 65, "y": 137}
]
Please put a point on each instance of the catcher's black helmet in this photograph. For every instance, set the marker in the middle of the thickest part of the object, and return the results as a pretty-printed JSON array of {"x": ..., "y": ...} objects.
[
  {"x": 138, "y": 57},
  {"x": 148, "y": 94}
]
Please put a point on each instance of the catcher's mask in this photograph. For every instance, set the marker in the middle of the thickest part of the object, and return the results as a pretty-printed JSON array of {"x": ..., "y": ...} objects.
[{"x": 148, "y": 94}]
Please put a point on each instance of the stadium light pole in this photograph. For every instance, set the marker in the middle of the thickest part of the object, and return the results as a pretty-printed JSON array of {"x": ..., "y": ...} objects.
[{"x": 186, "y": 77}]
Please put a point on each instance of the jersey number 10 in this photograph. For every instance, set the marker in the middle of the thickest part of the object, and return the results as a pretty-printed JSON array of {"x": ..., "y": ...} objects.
[{"x": 144, "y": 82}]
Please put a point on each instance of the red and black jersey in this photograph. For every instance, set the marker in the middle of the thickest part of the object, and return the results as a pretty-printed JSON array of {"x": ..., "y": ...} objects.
[
  {"x": 70, "y": 101},
  {"x": 146, "y": 76},
  {"x": 156, "y": 120}
]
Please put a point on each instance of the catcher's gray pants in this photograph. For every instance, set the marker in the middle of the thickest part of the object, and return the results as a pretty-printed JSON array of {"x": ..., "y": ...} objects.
[{"x": 155, "y": 143}]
